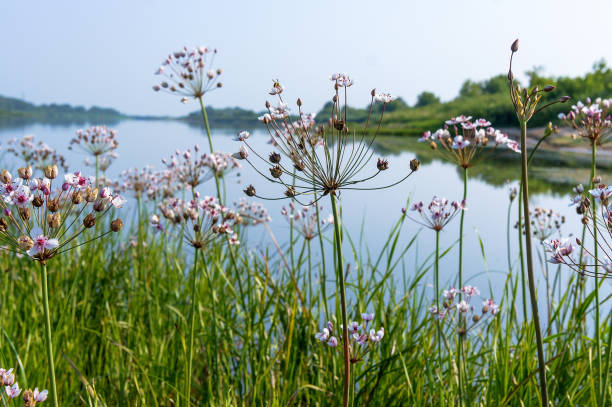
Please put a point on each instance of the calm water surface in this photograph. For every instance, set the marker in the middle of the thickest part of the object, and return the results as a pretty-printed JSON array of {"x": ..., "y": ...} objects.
[{"x": 368, "y": 215}]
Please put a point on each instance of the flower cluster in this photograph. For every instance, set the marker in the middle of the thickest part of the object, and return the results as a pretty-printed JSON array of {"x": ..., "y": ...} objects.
[
  {"x": 460, "y": 302},
  {"x": 306, "y": 221},
  {"x": 189, "y": 73},
  {"x": 462, "y": 139},
  {"x": 193, "y": 169},
  {"x": 362, "y": 336},
  {"x": 315, "y": 160},
  {"x": 438, "y": 213},
  {"x": 42, "y": 222},
  {"x": 12, "y": 390},
  {"x": 37, "y": 154},
  {"x": 591, "y": 120},
  {"x": 562, "y": 250},
  {"x": 545, "y": 222},
  {"x": 201, "y": 221},
  {"x": 252, "y": 213},
  {"x": 95, "y": 140}
]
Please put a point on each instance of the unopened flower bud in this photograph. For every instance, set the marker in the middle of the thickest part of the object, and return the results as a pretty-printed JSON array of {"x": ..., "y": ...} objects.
[
  {"x": 299, "y": 102},
  {"x": 116, "y": 225},
  {"x": 373, "y": 92},
  {"x": 514, "y": 46},
  {"x": 564, "y": 99},
  {"x": 585, "y": 220},
  {"x": 414, "y": 164},
  {"x": 548, "y": 88},
  {"x": 219, "y": 84},
  {"x": 578, "y": 242},
  {"x": 51, "y": 171},
  {"x": 54, "y": 220},
  {"x": 476, "y": 318},
  {"x": 25, "y": 242},
  {"x": 485, "y": 309},
  {"x": 267, "y": 104},
  {"x": 597, "y": 179}
]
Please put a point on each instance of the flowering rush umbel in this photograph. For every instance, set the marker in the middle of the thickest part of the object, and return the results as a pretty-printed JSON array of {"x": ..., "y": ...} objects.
[
  {"x": 189, "y": 73},
  {"x": 470, "y": 307},
  {"x": 95, "y": 140},
  {"x": 317, "y": 160},
  {"x": 37, "y": 154},
  {"x": 200, "y": 221},
  {"x": 545, "y": 222},
  {"x": 462, "y": 139},
  {"x": 362, "y": 336},
  {"x": 192, "y": 168},
  {"x": 591, "y": 119},
  {"x": 41, "y": 221},
  {"x": 562, "y": 250},
  {"x": 305, "y": 220},
  {"x": 438, "y": 214}
]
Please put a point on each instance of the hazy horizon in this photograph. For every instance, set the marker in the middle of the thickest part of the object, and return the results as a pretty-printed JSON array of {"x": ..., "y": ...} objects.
[{"x": 105, "y": 54}]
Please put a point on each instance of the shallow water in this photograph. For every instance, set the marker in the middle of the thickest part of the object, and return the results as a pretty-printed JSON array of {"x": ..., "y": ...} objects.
[{"x": 367, "y": 215}]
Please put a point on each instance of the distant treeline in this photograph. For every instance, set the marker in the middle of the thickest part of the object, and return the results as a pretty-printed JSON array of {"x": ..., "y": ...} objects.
[
  {"x": 489, "y": 99},
  {"x": 14, "y": 111},
  {"x": 235, "y": 117}
]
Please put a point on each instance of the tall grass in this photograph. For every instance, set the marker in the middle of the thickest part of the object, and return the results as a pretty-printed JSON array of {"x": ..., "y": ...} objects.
[{"x": 121, "y": 338}]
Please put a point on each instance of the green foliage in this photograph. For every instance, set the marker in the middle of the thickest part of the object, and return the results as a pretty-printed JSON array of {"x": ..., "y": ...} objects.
[{"x": 426, "y": 99}]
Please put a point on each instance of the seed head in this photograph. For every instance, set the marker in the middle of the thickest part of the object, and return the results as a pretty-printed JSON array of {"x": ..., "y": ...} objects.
[
  {"x": 89, "y": 221},
  {"x": 24, "y": 213},
  {"x": 54, "y": 220},
  {"x": 25, "y": 242},
  {"x": 6, "y": 177},
  {"x": 77, "y": 197},
  {"x": 414, "y": 164},
  {"x": 275, "y": 158},
  {"x": 116, "y": 225},
  {"x": 25, "y": 172},
  {"x": 382, "y": 165},
  {"x": 276, "y": 171},
  {"x": 250, "y": 190},
  {"x": 51, "y": 171},
  {"x": 53, "y": 205},
  {"x": 91, "y": 194},
  {"x": 37, "y": 202}
]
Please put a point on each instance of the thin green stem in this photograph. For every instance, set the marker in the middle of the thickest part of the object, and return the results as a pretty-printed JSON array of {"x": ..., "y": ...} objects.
[
  {"x": 210, "y": 144},
  {"x": 50, "y": 362},
  {"x": 192, "y": 324},
  {"x": 465, "y": 179},
  {"x": 597, "y": 313},
  {"x": 340, "y": 274},
  {"x": 508, "y": 249},
  {"x": 530, "y": 275}
]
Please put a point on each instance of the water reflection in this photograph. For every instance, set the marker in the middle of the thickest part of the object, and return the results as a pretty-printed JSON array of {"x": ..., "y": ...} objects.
[{"x": 368, "y": 216}]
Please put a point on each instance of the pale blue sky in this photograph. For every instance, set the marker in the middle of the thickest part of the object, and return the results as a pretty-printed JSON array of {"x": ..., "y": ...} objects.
[{"x": 105, "y": 52}]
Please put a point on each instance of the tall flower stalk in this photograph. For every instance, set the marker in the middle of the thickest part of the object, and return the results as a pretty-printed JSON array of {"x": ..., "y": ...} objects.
[
  {"x": 200, "y": 222},
  {"x": 462, "y": 142},
  {"x": 525, "y": 104},
  {"x": 41, "y": 222},
  {"x": 189, "y": 74},
  {"x": 313, "y": 162}
]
